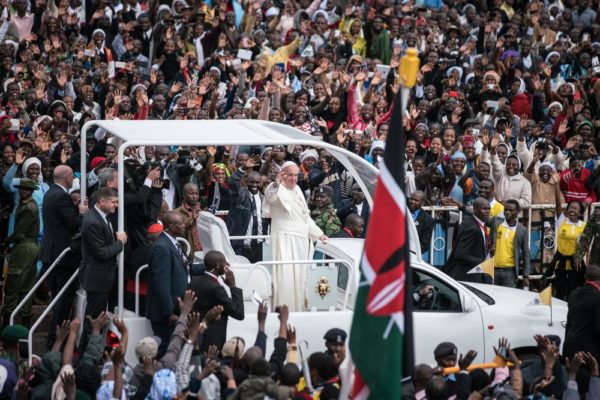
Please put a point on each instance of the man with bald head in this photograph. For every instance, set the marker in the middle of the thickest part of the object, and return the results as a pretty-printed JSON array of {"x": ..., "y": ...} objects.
[
  {"x": 473, "y": 244},
  {"x": 62, "y": 221},
  {"x": 210, "y": 290},
  {"x": 293, "y": 233},
  {"x": 167, "y": 278}
]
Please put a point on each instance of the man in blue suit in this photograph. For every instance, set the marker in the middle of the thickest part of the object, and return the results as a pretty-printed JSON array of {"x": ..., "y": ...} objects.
[{"x": 167, "y": 279}]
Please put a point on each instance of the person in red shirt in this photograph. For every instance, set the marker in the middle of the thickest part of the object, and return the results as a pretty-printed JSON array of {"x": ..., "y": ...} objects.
[{"x": 572, "y": 182}]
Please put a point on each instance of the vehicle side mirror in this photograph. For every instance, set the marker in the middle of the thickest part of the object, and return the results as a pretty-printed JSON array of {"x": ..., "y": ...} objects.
[{"x": 468, "y": 304}]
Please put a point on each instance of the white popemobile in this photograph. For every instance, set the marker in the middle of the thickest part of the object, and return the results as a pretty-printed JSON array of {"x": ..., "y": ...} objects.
[{"x": 473, "y": 316}]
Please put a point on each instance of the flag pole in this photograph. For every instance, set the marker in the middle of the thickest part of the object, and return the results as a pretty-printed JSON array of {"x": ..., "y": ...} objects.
[{"x": 407, "y": 74}]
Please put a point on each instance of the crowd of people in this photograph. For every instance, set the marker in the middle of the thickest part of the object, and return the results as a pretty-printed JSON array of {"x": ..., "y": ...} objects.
[{"x": 504, "y": 118}]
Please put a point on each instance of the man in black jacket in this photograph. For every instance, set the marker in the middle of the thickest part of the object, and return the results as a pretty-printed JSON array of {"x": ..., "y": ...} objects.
[
  {"x": 99, "y": 248},
  {"x": 473, "y": 243},
  {"x": 583, "y": 319},
  {"x": 210, "y": 291},
  {"x": 423, "y": 221},
  {"x": 244, "y": 216},
  {"x": 356, "y": 205},
  {"x": 62, "y": 220}
]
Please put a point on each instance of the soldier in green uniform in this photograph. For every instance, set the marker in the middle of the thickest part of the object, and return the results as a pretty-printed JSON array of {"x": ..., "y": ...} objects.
[
  {"x": 591, "y": 232},
  {"x": 324, "y": 215},
  {"x": 22, "y": 254}
]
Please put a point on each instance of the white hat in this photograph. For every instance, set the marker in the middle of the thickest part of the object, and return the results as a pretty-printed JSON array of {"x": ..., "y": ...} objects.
[
  {"x": 272, "y": 12},
  {"x": 309, "y": 153},
  {"x": 147, "y": 347}
]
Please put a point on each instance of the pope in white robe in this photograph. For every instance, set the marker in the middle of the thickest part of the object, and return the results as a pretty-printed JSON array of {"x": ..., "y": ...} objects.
[{"x": 292, "y": 235}]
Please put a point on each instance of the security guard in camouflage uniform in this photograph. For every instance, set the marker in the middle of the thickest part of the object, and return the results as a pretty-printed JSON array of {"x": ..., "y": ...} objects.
[
  {"x": 590, "y": 232},
  {"x": 22, "y": 254},
  {"x": 324, "y": 215}
]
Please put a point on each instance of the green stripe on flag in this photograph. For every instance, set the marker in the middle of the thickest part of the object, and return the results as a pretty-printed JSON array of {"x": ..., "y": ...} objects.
[{"x": 378, "y": 359}]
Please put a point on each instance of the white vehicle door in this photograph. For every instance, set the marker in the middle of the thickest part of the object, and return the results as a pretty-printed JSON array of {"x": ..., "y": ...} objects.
[{"x": 442, "y": 317}]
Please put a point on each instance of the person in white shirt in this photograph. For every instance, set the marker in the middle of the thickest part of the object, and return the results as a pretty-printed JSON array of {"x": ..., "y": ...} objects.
[{"x": 292, "y": 235}]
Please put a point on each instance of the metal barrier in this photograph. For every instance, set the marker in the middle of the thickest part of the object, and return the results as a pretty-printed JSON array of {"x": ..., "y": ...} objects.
[
  {"x": 45, "y": 312},
  {"x": 137, "y": 288},
  {"x": 433, "y": 210},
  {"x": 38, "y": 284},
  {"x": 186, "y": 243},
  {"x": 540, "y": 207}
]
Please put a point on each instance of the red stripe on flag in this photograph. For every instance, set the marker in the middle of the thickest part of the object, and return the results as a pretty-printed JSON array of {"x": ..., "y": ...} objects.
[
  {"x": 360, "y": 390},
  {"x": 386, "y": 236}
]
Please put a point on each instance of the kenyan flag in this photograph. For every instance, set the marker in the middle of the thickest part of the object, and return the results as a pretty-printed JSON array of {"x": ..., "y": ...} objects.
[{"x": 381, "y": 343}]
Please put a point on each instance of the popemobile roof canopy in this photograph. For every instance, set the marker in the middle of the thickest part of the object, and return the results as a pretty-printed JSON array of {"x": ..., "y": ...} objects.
[{"x": 214, "y": 133}]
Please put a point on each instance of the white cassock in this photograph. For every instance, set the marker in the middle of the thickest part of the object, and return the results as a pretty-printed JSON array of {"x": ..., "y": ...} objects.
[{"x": 292, "y": 235}]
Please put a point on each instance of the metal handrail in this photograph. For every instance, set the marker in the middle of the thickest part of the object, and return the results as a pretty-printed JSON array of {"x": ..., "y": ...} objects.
[
  {"x": 37, "y": 285},
  {"x": 249, "y": 237},
  {"x": 137, "y": 288},
  {"x": 533, "y": 207},
  {"x": 351, "y": 272},
  {"x": 45, "y": 312},
  {"x": 186, "y": 243}
]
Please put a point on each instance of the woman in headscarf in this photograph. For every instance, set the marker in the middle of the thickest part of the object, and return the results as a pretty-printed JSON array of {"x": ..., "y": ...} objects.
[
  {"x": 334, "y": 114},
  {"x": 32, "y": 169},
  {"x": 376, "y": 152},
  {"x": 216, "y": 190},
  {"x": 99, "y": 46},
  {"x": 308, "y": 159},
  {"x": 510, "y": 182},
  {"x": 352, "y": 31},
  {"x": 520, "y": 102}
]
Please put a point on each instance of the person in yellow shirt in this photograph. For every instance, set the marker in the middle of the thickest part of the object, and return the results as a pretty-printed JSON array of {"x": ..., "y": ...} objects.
[
  {"x": 569, "y": 227},
  {"x": 510, "y": 244}
]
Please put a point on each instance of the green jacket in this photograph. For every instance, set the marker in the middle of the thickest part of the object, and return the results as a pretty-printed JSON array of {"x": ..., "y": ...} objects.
[
  {"x": 591, "y": 232},
  {"x": 47, "y": 371},
  {"x": 327, "y": 220},
  {"x": 27, "y": 222}
]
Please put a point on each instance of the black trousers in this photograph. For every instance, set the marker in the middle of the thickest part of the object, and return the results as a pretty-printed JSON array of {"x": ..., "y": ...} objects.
[
  {"x": 164, "y": 331},
  {"x": 63, "y": 310},
  {"x": 96, "y": 302}
]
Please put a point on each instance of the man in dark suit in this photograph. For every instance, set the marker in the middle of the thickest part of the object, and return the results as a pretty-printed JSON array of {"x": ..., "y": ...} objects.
[
  {"x": 210, "y": 292},
  {"x": 62, "y": 221},
  {"x": 354, "y": 227},
  {"x": 423, "y": 221},
  {"x": 100, "y": 247},
  {"x": 167, "y": 278},
  {"x": 583, "y": 319},
  {"x": 473, "y": 244},
  {"x": 355, "y": 205},
  {"x": 244, "y": 216}
]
